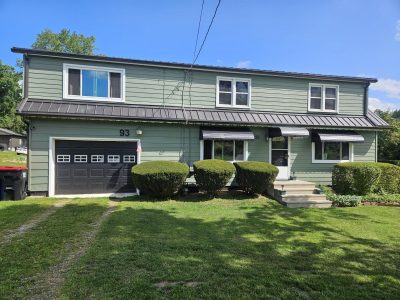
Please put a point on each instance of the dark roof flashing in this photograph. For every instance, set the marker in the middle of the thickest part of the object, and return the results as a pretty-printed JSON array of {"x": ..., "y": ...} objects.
[{"x": 195, "y": 67}]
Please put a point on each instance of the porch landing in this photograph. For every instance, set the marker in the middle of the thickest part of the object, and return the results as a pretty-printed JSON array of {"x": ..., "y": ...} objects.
[{"x": 298, "y": 193}]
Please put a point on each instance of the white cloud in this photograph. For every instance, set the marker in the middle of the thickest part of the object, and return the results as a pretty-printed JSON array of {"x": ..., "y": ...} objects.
[
  {"x": 397, "y": 34},
  {"x": 375, "y": 103},
  {"x": 243, "y": 64},
  {"x": 390, "y": 87}
]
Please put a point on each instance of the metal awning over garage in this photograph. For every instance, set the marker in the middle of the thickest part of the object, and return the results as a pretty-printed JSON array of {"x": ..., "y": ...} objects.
[
  {"x": 351, "y": 137},
  {"x": 227, "y": 135},
  {"x": 288, "y": 131}
]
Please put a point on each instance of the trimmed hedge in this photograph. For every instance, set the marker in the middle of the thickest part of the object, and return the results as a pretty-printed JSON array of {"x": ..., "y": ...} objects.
[
  {"x": 378, "y": 198},
  {"x": 160, "y": 179},
  {"x": 212, "y": 175},
  {"x": 344, "y": 200},
  {"x": 362, "y": 178},
  {"x": 254, "y": 177}
]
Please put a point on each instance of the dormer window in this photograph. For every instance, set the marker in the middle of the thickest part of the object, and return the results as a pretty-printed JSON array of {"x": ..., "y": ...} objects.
[
  {"x": 323, "y": 98},
  {"x": 233, "y": 92},
  {"x": 93, "y": 83}
]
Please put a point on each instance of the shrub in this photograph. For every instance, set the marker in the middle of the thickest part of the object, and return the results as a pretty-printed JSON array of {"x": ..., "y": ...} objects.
[
  {"x": 254, "y": 176},
  {"x": 344, "y": 200},
  {"x": 327, "y": 190},
  {"x": 362, "y": 178},
  {"x": 160, "y": 179},
  {"x": 380, "y": 198},
  {"x": 212, "y": 174}
]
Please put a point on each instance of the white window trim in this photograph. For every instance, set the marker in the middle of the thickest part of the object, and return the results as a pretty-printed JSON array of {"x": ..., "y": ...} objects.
[
  {"x": 233, "y": 80},
  {"x": 126, "y": 158},
  {"x": 82, "y": 158},
  {"x": 112, "y": 157},
  {"x": 323, "y": 86},
  {"x": 96, "y": 157},
  {"x": 245, "y": 150},
  {"x": 94, "y": 68},
  {"x": 63, "y": 158},
  {"x": 322, "y": 161}
]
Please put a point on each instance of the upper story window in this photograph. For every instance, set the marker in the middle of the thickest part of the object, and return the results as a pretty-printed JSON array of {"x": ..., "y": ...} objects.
[
  {"x": 324, "y": 98},
  {"x": 233, "y": 92},
  {"x": 93, "y": 83}
]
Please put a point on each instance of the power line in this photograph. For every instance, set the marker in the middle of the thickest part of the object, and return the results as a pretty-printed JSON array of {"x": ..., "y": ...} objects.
[
  {"x": 198, "y": 30},
  {"x": 208, "y": 30}
]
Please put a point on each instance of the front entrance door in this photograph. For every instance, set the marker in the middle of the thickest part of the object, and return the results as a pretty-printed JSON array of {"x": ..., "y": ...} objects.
[{"x": 280, "y": 155}]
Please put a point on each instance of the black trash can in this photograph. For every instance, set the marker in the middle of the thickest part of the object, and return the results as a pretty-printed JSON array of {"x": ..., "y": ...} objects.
[{"x": 13, "y": 183}]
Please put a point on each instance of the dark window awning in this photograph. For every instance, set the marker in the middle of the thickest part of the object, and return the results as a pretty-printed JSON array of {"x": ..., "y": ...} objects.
[
  {"x": 227, "y": 135},
  {"x": 350, "y": 137},
  {"x": 288, "y": 131}
]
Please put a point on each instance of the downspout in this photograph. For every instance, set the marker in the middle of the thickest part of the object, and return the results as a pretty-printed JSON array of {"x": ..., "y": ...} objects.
[
  {"x": 366, "y": 98},
  {"x": 26, "y": 75}
]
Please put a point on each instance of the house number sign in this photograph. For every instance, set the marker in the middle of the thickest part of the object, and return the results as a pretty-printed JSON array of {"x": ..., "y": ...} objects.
[{"x": 124, "y": 132}]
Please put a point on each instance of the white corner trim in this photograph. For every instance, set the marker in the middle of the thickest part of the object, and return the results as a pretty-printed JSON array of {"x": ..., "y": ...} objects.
[
  {"x": 89, "y": 67},
  {"x": 51, "y": 164}
]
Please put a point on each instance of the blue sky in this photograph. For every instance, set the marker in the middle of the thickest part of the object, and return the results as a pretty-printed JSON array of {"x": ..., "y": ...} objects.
[{"x": 357, "y": 37}]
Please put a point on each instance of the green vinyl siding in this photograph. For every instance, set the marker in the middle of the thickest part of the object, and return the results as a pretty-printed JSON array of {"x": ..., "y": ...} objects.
[
  {"x": 303, "y": 168},
  {"x": 164, "y": 86}
]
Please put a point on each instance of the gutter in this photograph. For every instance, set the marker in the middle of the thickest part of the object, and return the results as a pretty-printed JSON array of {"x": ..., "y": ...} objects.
[{"x": 366, "y": 86}]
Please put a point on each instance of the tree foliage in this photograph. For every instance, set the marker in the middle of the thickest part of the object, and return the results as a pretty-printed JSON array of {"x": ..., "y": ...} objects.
[
  {"x": 389, "y": 140},
  {"x": 65, "y": 41},
  {"x": 10, "y": 96}
]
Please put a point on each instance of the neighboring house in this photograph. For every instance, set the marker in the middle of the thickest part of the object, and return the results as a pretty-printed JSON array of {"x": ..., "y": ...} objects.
[
  {"x": 93, "y": 117},
  {"x": 9, "y": 140}
]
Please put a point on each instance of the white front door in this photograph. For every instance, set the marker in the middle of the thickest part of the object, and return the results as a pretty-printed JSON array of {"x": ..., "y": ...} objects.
[{"x": 279, "y": 155}]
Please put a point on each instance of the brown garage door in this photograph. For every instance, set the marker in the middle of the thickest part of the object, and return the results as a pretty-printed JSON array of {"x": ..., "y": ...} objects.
[{"x": 83, "y": 167}]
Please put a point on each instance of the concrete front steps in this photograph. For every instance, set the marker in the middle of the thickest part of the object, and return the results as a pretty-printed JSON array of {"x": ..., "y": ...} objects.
[{"x": 298, "y": 193}]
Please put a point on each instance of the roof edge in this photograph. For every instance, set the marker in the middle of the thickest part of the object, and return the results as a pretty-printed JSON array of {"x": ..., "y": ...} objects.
[{"x": 38, "y": 52}]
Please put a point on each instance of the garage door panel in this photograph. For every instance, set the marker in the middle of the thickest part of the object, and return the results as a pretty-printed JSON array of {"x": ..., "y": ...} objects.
[{"x": 95, "y": 175}]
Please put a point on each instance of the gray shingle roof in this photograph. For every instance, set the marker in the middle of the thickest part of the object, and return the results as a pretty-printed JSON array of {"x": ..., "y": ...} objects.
[{"x": 74, "y": 109}]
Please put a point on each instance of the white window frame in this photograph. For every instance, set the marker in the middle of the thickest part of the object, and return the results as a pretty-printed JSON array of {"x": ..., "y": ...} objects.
[
  {"x": 127, "y": 158},
  {"x": 233, "y": 80},
  {"x": 80, "y": 158},
  {"x": 323, "y": 87},
  {"x": 326, "y": 161},
  {"x": 245, "y": 150},
  {"x": 97, "y": 158},
  {"x": 63, "y": 158},
  {"x": 111, "y": 159},
  {"x": 92, "y": 68}
]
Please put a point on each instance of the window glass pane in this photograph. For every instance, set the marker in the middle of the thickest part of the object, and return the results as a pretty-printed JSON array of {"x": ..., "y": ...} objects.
[
  {"x": 242, "y": 87},
  {"x": 280, "y": 142},
  {"x": 225, "y": 86},
  {"x": 94, "y": 83},
  {"x": 316, "y": 91},
  {"x": 315, "y": 103},
  {"x": 207, "y": 149},
  {"x": 74, "y": 82},
  {"x": 345, "y": 151},
  {"x": 330, "y": 92},
  {"x": 279, "y": 158},
  {"x": 228, "y": 150},
  {"x": 225, "y": 98},
  {"x": 218, "y": 147},
  {"x": 239, "y": 150},
  {"x": 115, "y": 85},
  {"x": 332, "y": 151},
  {"x": 318, "y": 150},
  {"x": 241, "y": 99},
  {"x": 330, "y": 104}
]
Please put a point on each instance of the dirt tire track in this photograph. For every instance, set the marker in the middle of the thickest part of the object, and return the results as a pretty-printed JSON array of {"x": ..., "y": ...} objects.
[
  {"x": 32, "y": 223},
  {"x": 48, "y": 285}
]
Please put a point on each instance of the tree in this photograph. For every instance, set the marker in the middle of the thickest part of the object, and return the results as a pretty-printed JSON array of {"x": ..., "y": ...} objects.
[
  {"x": 389, "y": 140},
  {"x": 65, "y": 41},
  {"x": 10, "y": 96}
]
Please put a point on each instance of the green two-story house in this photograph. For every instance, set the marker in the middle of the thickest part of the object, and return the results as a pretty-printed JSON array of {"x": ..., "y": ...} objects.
[{"x": 92, "y": 117}]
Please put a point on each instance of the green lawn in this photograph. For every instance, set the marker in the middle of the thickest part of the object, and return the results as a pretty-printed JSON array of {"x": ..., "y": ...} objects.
[
  {"x": 221, "y": 248},
  {"x": 10, "y": 158}
]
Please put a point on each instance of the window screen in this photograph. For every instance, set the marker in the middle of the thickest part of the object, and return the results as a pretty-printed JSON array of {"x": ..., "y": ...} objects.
[
  {"x": 74, "y": 82},
  {"x": 115, "y": 85}
]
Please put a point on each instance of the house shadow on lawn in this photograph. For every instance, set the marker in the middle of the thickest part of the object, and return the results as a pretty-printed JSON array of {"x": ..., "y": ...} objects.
[{"x": 258, "y": 251}]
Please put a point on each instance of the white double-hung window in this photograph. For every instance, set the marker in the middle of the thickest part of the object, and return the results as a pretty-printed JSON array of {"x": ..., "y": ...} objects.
[
  {"x": 233, "y": 92},
  {"x": 323, "y": 98},
  {"x": 93, "y": 83}
]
